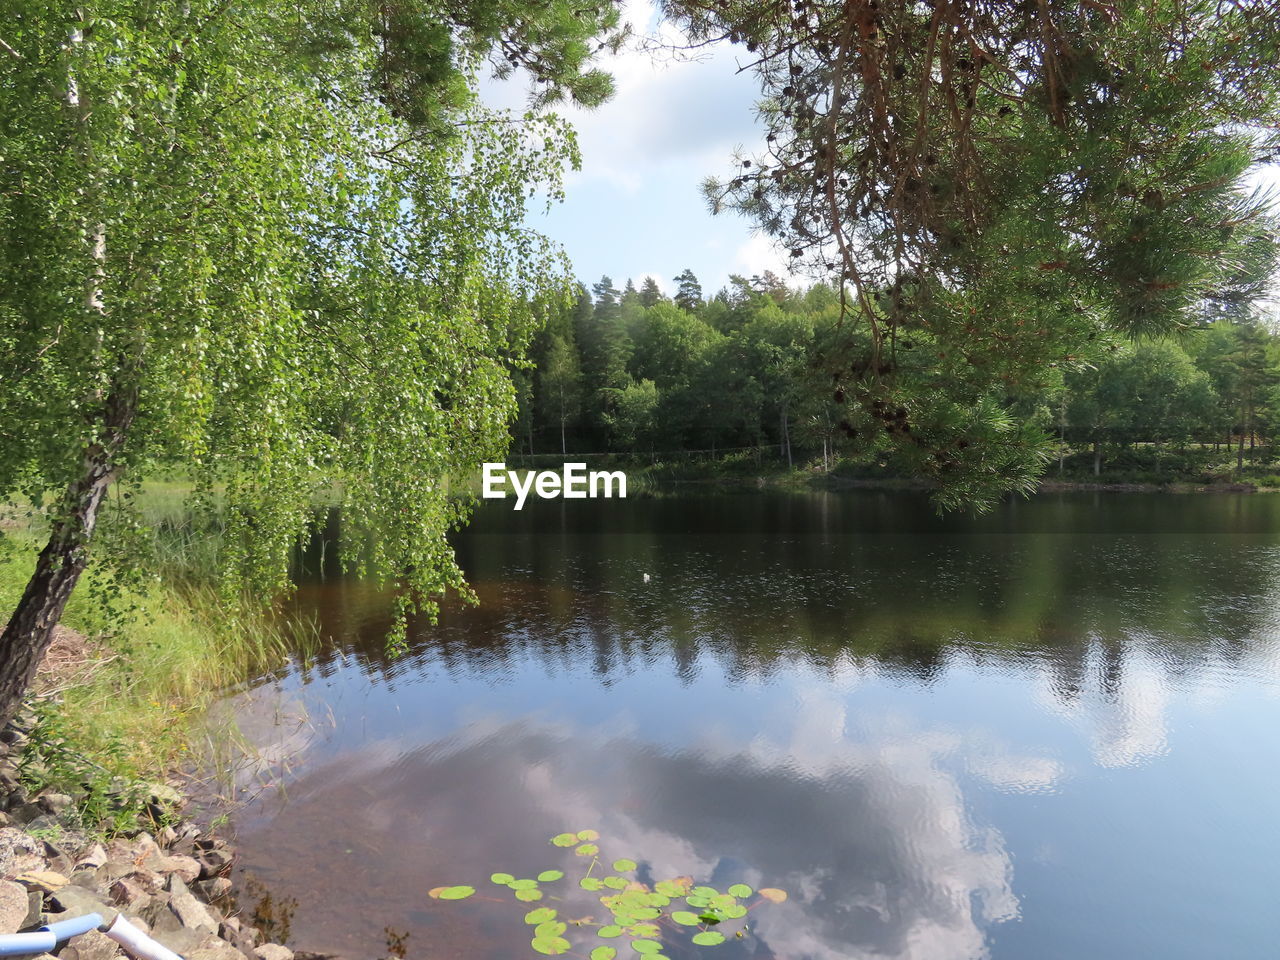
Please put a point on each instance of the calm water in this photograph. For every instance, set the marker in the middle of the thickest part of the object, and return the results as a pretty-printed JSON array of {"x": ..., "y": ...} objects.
[{"x": 1048, "y": 733}]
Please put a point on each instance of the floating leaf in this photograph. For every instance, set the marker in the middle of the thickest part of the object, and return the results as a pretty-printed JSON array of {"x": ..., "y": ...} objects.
[
  {"x": 587, "y": 850},
  {"x": 609, "y": 932},
  {"x": 565, "y": 839},
  {"x": 646, "y": 946},
  {"x": 685, "y": 917},
  {"x": 603, "y": 953},
  {"x": 502, "y": 878},
  {"x": 643, "y": 930},
  {"x": 451, "y": 893},
  {"x": 588, "y": 835},
  {"x": 523, "y": 884},
  {"x": 772, "y": 894},
  {"x": 711, "y": 918},
  {"x": 734, "y": 911},
  {"x": 668, "y": 888},
  {"x": 528, "y": 896},
  {"x": 590, "y": 883},
  {"x": 546, "y": 876},
  {"x": 708, "y": 892},
  {"x": 740, "y": 890},
  {"x": 694, "y": 901},
  {"x": 708, "y": 938},
  {"x": 552, "y": 946},
  {"x": 623, "y": 865},
  {"x": 549, "y": 930},
  {"x": 646, "y": 913},
  {"x": 614, "y": 883},
  {"x": 541, "y": 915}
]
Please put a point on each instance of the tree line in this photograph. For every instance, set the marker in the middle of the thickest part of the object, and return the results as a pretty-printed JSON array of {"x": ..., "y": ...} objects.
[{"x": 634, "y": 371}]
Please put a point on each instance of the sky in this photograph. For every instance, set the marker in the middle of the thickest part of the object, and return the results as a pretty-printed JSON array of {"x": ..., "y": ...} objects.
[{"x": 636, "y": 209}]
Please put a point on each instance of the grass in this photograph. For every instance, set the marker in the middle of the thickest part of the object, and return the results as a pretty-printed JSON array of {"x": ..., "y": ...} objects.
[{"x": 127, "y": 706}]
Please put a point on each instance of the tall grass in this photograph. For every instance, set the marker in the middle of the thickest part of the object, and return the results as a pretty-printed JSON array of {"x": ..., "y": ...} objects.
[{"x": 134, "y": 708}]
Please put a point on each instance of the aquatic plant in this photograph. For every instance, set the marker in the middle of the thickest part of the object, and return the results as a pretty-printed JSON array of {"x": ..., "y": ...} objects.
[{"x": 639, "y": 913}]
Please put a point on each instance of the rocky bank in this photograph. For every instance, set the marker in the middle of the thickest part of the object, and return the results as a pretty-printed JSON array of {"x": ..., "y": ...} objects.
[{"x": 172, "y": 882}]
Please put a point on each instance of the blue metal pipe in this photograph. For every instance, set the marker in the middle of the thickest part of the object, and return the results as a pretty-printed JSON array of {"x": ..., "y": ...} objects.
[
  {"x": 22, "y": 944},
  {"x": 64, "y": 929},
  {"x": 48, "y": 936}
]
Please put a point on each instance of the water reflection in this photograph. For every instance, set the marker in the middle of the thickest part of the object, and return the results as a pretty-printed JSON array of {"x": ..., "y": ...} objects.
[{"x": 935, "y": 739}]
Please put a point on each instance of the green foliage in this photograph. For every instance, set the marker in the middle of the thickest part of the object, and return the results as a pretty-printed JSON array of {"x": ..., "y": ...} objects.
[
  {"x": 994, "y": 189},
  {"x": 637, "y": 911},
  {"x": 281, "y": 247}
]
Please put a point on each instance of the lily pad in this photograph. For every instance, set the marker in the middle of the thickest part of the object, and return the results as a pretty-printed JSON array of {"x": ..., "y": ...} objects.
[
  {"x": 590, "y": 883},
  {"x": 603, "y": 953},
  {"x": 609, "y": 932},
  {"x": 528, "y": 896},
  {"x": 708, "y": 938},
  {"x": 646, "y": 946},
  {"x": 540, "y": 915},
  {"x": 565, "y": 839},
  {"x": 451, "y": 893},
  {"x": 549, "y": 930},
  {"x": 546, "y": 876},
  {"x": 552, "y": 946},
  {"x": 772, "y": 894},
  {"x": 740, "y": 890},
  {"x": 502, "y": 878},
  {"x": 685, "y": 917},
  {"x": 588, "y": 835},
  {"x": 623, "y": 865},
  {"x": 587, "y": 850}
]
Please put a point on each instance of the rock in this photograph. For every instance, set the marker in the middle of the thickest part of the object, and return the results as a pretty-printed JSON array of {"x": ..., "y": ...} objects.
[
  {"x": 214, "y": 948},
  {"x": 214, "y": 863},
  {"x": 92, "y": 858},
  {"x": 215, "y": 889},
  {"x": 164, "y": 795},
  {"x": 273, "y": 951},
  {"x": 46, "y": 881},
  {"x": 13, "y": 906},
  {"x": 54, "y": 804},
  {"x": 4, "y": 819},
  {"x": 126, "y": 892},
  {"x": 19, "y": 852},
  {"x": 186, "y": 868},
  {"x": 28, "y": 814},
  {"x": 237, "y": 935},
  {"x": 193, "y": 914},
  {"x": 76, "y": 901},
  {"x": 166, "y": 836},
  {"x": 90, "y": 946}
]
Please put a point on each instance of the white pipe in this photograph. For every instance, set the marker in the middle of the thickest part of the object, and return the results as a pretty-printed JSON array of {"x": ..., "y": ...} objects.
[{"x": 136, "y": 942}]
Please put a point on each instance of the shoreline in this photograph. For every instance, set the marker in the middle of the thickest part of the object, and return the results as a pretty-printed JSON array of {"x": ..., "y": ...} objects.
[{"x": 171, "y": 880}]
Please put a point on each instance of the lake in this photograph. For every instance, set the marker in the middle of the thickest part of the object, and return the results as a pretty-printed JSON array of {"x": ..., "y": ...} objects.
[{"x": 1049, "y": 733}]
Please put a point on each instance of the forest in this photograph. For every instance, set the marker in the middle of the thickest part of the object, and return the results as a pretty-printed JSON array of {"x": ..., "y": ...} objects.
[{"x": 743, "y": 373}]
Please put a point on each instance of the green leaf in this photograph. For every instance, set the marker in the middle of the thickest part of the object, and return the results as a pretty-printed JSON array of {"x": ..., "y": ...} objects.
[
  {"x": 609, "y": 932},
  {"x": 565, "y": 839},
  {"x": 734, "y": 911},
  {"x": 540, "y": 915},
  {"x": 590, "y": 883},
  {"x": 646, "y": 946},
  {"x": 546, "y": 876},
  {"x": 587, "y": 850},
  {"x": 451, "y": 893},
  {"x": 708, "y": 938},
  {"x": 741, "y": 890},
  {"x": 523, "y": 884},
  {"x": 529, "y": 896},
  {"x": 588, "y": 835},
  {"x": 552, "y": 946},
  {"x": 549, "y": 930},
  {"x": 709, "y": 917},
  {"x": 624, "y": 865},
  {"x": 502, "y": 878},
  {"x": 615, "y": 883},
  {"x": 603, "y": 953},
  {"x": 685, "y": 917}
]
